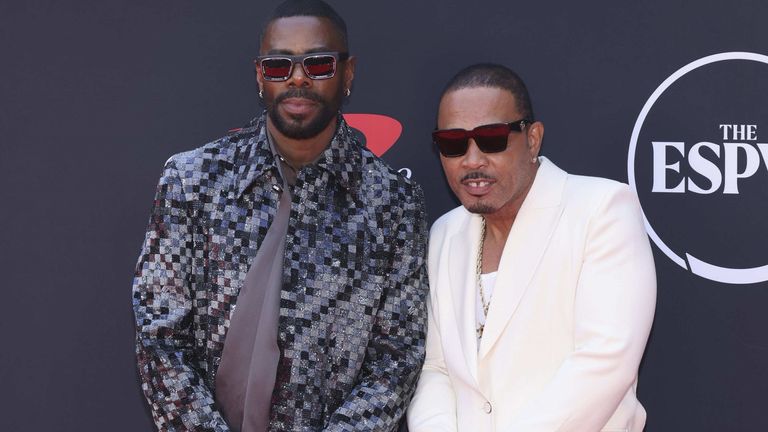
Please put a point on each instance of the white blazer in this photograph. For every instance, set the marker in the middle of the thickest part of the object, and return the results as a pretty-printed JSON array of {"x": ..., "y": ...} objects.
[{"x": 568, "y": 322}]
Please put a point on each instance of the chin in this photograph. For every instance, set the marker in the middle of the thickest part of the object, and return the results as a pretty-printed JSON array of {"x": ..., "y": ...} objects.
[
  {"x": 299, "y": 127},
  {"x": 480, "y": 208}
]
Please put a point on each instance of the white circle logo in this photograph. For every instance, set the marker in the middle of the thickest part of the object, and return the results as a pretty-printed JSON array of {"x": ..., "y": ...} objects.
[{"x": 706, "y": 191}]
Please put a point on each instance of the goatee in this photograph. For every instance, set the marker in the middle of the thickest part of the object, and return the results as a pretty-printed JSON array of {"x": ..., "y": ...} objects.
[{"x": 480, "y": 208}]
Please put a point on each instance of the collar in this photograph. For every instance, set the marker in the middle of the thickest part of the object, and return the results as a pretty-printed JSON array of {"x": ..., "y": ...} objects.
[
  {"x": 342, "y": 158},
  {"x": 547, "y": 188}
]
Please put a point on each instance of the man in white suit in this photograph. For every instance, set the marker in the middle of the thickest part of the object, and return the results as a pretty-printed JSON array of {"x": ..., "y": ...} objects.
[{"x": 543, "y": 286}]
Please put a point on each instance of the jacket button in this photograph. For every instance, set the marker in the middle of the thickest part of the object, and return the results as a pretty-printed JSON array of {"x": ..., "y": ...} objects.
[{"x": 487, "y": 407}]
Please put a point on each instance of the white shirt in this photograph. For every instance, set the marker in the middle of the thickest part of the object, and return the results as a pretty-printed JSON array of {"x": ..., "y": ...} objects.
[{"x": 489, "y": 281}]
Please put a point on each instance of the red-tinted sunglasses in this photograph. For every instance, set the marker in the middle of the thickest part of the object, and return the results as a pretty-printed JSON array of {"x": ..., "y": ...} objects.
[
  {"x": 490, "y": 138},
  {"x": 317, "y": 66}
]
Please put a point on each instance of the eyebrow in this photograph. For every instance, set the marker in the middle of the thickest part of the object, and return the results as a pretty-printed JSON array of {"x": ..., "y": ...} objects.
[{"x": 290, "y": 52}]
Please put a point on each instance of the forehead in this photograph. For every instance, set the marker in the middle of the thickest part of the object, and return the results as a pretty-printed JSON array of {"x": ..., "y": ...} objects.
[
  {"x": 300, "y": 34},
  {"x": 467, "y": 108}
]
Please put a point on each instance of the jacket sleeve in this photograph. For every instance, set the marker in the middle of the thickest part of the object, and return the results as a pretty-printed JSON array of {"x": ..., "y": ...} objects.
[
  {"x": 614, "y": 308},
  {"x": 163, "y": 288},
  {"x": 433, "y": 408},
  {"x": 395, "y": 351}
]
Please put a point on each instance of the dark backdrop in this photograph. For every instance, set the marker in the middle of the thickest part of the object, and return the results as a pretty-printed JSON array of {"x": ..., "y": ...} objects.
[{"x": 96, "y": 95}]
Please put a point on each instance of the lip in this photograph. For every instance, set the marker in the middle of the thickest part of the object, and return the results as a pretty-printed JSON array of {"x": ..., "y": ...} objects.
[
  {"x": 298, "y": 106},
  {"x": 478, "y": 186}
]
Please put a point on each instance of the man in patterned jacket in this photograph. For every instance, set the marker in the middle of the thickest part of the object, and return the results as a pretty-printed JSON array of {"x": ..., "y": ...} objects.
[{"x": 281, "y": 284}]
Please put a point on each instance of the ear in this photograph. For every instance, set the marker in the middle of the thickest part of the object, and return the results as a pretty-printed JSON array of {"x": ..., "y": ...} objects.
[
  {"x": 257, "y": 71},
  {"x": 535, "y": 137},
  {"x": 349, "y": 71}
]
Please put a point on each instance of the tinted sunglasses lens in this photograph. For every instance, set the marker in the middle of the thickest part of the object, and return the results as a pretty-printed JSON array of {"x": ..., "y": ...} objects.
[
  {"x": 320, "y": 66},
  {"x": 451, "y": 143},
  {"x": 492, "y": 138},
  {"x": 276, "y": 68}
]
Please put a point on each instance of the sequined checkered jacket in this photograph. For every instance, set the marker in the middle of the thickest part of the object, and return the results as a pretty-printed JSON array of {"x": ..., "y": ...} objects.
[{"x": 352, "y": 309}]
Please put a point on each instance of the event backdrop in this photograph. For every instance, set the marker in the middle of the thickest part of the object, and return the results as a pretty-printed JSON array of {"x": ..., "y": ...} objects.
[{"x": 670, "y": 96}]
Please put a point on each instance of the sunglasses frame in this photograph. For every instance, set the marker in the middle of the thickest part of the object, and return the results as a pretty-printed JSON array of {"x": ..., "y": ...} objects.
[
  {"x": 300, "y": 58},
  {"x": 466, "y": 135}
]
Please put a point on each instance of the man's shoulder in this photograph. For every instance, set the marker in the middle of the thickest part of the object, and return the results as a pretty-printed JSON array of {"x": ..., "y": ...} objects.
[
  {"x": 381, "y": 182},
  {"x": 206, "y": 170},
  {"x": 586, "y": 186},
  {"x": 215, "y": 156},
  {"x": 449, "y": 222},
  {"x": 589, "y": 195},
  {"x": 553, "y": 185}
]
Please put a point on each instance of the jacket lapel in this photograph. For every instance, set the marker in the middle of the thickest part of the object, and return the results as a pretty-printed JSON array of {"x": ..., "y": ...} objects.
[
  {"x": 463, "y": 248},
  {"x": 528, "y": 240}
]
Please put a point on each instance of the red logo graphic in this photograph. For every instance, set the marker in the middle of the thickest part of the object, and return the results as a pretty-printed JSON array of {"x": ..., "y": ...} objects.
[{"x": 380, "y": 132}]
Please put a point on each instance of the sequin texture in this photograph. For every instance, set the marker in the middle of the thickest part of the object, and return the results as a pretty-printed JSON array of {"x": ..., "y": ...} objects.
[{"x": 352, "y": 310}]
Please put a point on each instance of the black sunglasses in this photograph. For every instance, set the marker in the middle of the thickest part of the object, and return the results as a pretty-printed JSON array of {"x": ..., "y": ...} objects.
[
  {"x": 490, "y": 138},
  {"x": 317, "y": 66}
]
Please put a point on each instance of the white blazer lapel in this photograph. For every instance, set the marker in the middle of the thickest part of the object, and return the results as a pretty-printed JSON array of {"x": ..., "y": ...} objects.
[
  {"x": 528, "y": 239},
  {"x": 463, "y": 253}
]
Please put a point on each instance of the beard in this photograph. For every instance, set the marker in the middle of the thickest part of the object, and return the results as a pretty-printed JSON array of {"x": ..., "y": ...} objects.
[
  {"x": 480, "y": 208},
  {"x": 299, "y": 127}
]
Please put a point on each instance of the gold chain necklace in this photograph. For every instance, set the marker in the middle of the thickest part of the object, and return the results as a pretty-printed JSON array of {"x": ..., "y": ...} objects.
[{"x": 478, "y": 273}]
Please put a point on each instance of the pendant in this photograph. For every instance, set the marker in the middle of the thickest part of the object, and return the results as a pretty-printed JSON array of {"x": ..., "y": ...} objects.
[{"x": 479, "y": 331}]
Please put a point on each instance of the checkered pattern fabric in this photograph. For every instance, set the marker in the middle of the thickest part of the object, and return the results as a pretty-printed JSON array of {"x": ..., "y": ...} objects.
[{"x": 352, "y": 310}]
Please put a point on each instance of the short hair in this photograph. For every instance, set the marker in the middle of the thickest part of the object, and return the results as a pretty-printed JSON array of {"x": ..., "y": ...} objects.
[
  {"x": 312, "y": 8},
  {"x": 495, "y": 76}
]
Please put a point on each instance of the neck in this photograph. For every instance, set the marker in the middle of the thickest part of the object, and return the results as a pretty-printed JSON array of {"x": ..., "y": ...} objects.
[
  {"x": 494, "y": 239},
  {"x": 499, "y": 223},
  {"x": 497, "y": 227},
  {"x": 300, "y": 152}
]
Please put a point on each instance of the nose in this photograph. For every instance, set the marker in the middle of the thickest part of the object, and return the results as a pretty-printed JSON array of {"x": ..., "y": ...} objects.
[
  {"x": 298, "y": 78},
  {"x": 474, "y": 158}
]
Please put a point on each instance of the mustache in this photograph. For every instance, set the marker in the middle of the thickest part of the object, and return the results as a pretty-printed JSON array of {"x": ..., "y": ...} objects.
[
  {"x": 299, "y": 93},
  {"x": 477, "y": 175}
]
